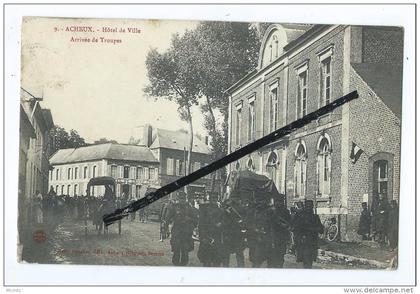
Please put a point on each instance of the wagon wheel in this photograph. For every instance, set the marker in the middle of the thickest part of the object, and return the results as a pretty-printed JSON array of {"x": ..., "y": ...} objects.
[{"x": 332, "y": 232}]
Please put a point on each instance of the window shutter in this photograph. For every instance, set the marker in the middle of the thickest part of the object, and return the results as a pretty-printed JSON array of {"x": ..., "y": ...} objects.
[
  {"x": 118, "y": 192},
  {"x": 295, "y": 180},
  {"x": 318, "y": 175},
  {"x": 177, "y": 167},
  {"x": 329, "y": 175},
  {"x": 133, "y": 190},
  {"x": 304, "y": 177}
]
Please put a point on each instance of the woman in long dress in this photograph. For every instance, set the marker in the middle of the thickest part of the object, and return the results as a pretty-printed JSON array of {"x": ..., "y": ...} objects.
[{"x": 37, "y": 208}]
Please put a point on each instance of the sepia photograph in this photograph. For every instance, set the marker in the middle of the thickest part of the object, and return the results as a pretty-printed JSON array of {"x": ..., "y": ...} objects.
[{"x": 113, "y": 111}]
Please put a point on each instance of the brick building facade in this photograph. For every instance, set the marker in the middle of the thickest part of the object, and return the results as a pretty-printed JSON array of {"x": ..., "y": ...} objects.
[{"x": 300, "y": 69}]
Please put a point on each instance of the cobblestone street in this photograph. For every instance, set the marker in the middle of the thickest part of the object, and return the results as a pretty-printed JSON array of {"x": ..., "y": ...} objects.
[{"x": 138, "y": 244}]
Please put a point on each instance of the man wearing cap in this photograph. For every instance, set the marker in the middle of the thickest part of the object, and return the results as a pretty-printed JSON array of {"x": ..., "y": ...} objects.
[
  {"x": 184, "y": 222},
  {"x": 307, "y": 227},
  {"x": 210, "y": 232}
]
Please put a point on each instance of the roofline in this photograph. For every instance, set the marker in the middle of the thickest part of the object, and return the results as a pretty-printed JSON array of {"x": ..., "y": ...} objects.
[
  {"x": 210, "y": 152},
  {"x": 25, "y": 117},
  {"x": 242, "y": 81},
  {"x": 288, "y": 48},
  {"x": 305, "y": 36},
  {"x": 92, "y": 160},
  {"x": 376, "y": 94},
  {"x": 46, "y": 113}
]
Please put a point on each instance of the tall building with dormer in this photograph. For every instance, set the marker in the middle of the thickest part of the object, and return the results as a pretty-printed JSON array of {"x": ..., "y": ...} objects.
[{"x": 345, "y": 157}]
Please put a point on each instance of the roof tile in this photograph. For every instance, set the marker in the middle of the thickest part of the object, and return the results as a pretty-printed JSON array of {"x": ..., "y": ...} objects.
[{"x": 103, "y": 151}]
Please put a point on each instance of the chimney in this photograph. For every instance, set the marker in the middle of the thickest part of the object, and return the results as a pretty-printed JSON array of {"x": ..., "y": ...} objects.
[{"x": 147, "y": 135}]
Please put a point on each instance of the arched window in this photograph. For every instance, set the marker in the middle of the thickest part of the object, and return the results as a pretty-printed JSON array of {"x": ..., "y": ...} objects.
[
  {"x": 300, "y": 170},
  {"x": 324, "y": 166},
  {"x": 250, "y": 164},
  {"x": 272, "y": 159},
  {"x": 271, "y": 166},
  {"x": 237, "y": 165},
  {"x": 94, "y": 171}
]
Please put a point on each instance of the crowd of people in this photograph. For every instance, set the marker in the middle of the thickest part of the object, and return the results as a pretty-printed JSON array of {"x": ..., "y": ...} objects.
[
  {"x": 228, "y": 227},
  {"x": 52, "y": 208},
  {"x": 380, "y": 223},
  {"x": 225, "y": 228}
]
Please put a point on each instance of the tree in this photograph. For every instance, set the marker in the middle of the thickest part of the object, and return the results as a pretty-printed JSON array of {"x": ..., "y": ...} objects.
[
  {"x": 104, "y": 141},
  {"x": 75, "y": 140},
  {"x": 222, "y": 53},
  {"x": 172, "y": 77},
  {"x": 61, "y": 139}
]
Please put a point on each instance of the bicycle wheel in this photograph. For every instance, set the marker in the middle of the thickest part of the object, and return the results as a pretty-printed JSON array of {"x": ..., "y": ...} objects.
[
  {"x": 332, "y": 232},
  {"x": 325, "y": 225}
]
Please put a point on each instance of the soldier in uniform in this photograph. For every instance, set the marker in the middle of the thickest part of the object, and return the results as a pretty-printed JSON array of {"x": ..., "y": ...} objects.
[
  {"x": 258, "y": 231},
  {"x": 380, "y": 211},
  {"x": 233, "y": 233},
  {"x": 280, "y": 232},
  {"x": 269, "y": 234},
  {"x": 184, "y": 221},
  {"x": 307, "y": 227},
  {"x": 393, "y": 225},
  {"x": 195, "y": 212},
  {"x": 364, "y": 222},
  {"x": 163, "y": 218},
  {"x": 210, "y": 232}
]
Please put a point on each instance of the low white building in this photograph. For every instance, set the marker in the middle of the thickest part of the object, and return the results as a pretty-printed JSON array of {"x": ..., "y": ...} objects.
[{"x": 133, "y": 167}]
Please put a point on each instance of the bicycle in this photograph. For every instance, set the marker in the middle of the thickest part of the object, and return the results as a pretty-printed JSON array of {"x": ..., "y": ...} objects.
[{"x": 330, "y": 229}]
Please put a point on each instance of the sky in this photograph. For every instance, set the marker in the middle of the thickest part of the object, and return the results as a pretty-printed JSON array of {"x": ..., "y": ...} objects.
[{"x": 96, "y": 87}]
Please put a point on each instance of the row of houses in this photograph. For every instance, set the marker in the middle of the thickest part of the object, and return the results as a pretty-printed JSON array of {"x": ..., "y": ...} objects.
[
  {"x": 158, "y": 158},
  {"x": 345, "y": 157},
  {"x": 34, "y": 152}
]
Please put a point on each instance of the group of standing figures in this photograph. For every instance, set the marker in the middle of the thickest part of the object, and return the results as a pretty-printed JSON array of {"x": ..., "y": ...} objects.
[
  {"x": 381, "y": 222},
  {"x": 227, "y": 228}
]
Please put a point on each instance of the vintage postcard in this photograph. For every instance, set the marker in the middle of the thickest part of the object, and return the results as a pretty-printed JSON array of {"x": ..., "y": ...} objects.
[{"x": 112, "y": 110}]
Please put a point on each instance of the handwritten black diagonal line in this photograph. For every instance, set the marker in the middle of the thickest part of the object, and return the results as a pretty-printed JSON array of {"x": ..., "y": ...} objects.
[{"x": 252, "y": 147}]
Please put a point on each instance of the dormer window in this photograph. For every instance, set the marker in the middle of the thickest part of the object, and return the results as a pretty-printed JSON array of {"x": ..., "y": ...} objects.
[
  {"x": 271, "y": 52},
  {"x": 275, "y": 38},
  {"x": 275, "y": 45}
]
